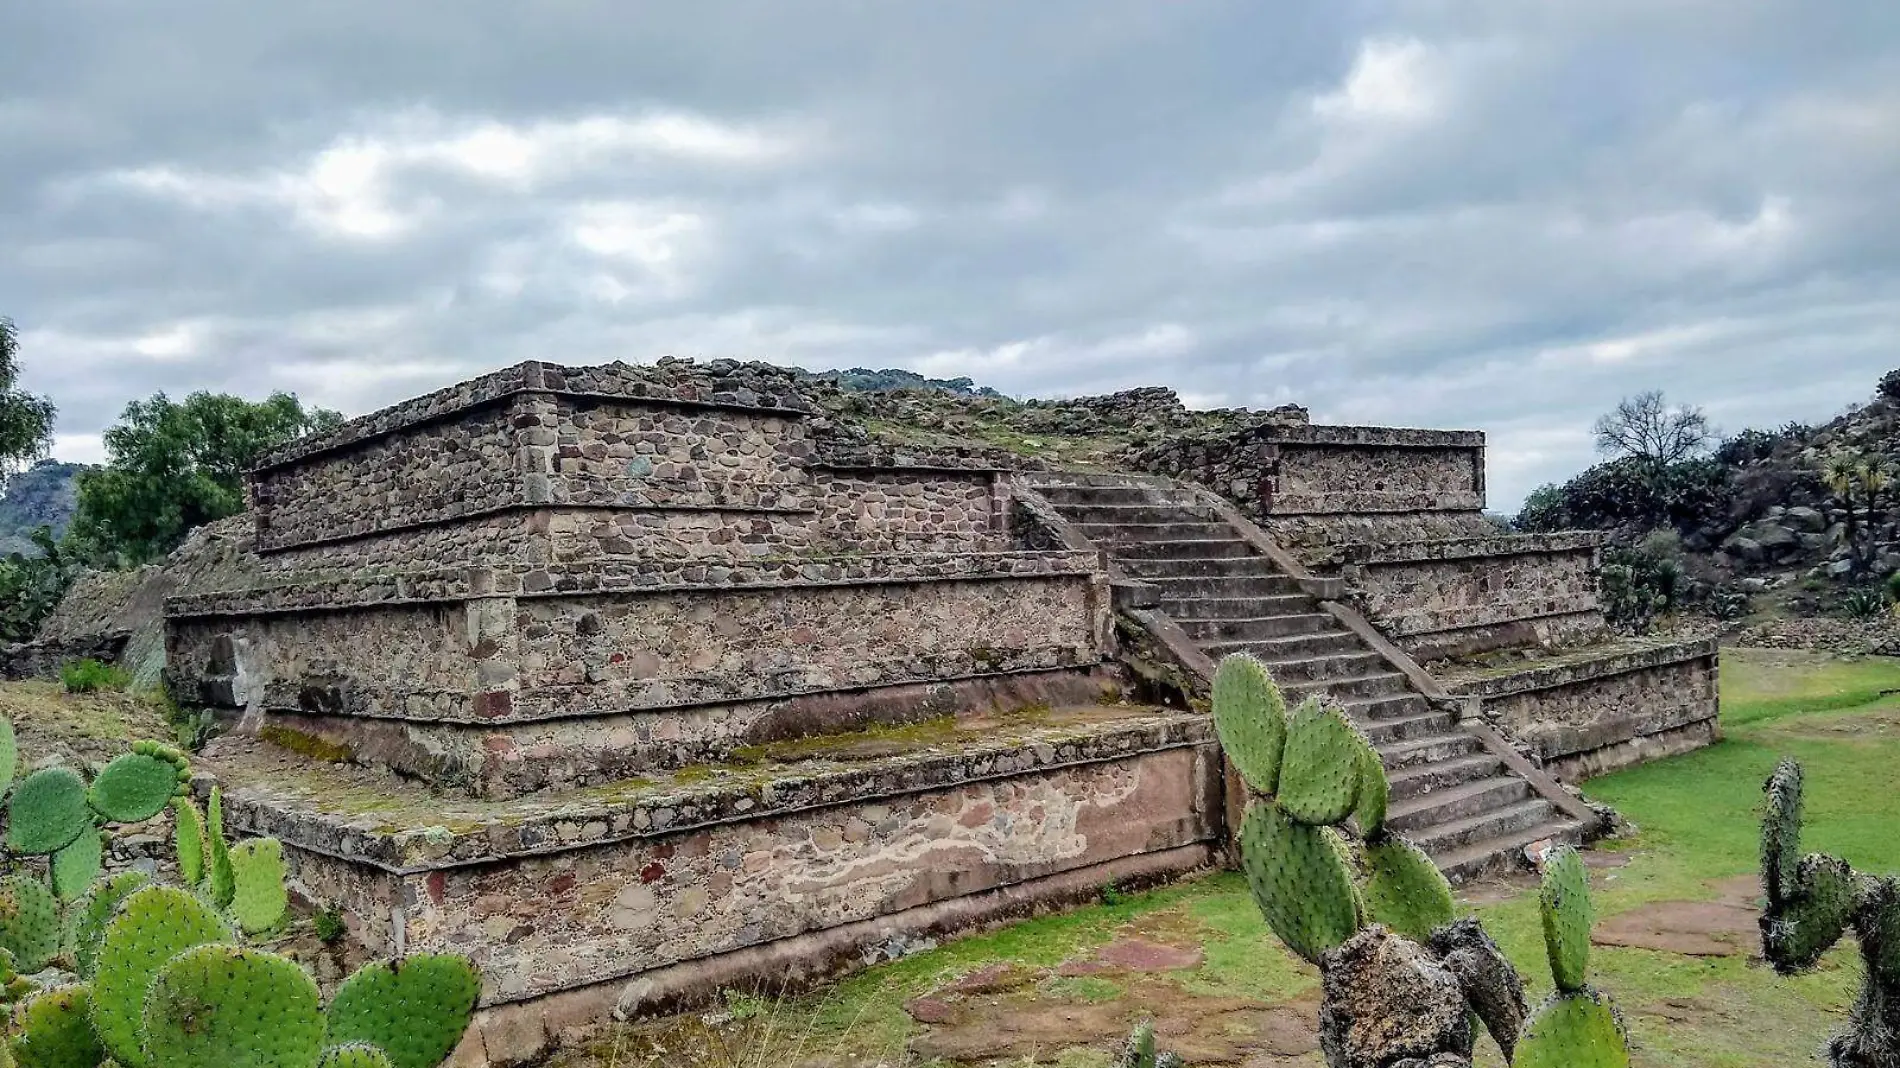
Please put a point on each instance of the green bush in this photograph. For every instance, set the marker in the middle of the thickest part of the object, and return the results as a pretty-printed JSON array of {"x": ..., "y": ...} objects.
[
  {"x": 89, "y": 676},
  {"x": 1633, "y": 494},
  {"x": 1639, "y": 583},
  {"x": 1864, "y": 602}
]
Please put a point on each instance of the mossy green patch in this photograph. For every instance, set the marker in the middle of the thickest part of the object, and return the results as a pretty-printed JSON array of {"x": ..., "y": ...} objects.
[{"x": 306, "y": 744}]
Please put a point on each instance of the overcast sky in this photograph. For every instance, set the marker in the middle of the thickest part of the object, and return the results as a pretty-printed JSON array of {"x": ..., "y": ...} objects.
[{"x": 1496, "y": 214}]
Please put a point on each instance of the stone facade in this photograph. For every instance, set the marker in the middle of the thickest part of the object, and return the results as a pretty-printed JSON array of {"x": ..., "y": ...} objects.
[{"x": 1605, "y": 708}]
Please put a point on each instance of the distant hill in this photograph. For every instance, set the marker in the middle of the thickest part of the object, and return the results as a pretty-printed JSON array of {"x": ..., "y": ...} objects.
[{"x": 42, "y": 495}]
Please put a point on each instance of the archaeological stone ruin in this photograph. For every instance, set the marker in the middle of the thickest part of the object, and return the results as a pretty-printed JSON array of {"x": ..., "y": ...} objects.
[{"x": 636, "y": 683}]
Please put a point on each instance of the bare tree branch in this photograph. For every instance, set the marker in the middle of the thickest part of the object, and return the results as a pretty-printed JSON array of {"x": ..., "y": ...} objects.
[{"x": 1646, "y": 427}]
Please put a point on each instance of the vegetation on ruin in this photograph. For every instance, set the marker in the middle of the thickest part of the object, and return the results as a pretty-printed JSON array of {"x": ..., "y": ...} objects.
[{"x": 1689, "y": 875}]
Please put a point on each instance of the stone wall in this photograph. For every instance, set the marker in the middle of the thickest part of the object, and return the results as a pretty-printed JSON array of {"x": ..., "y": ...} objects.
[
  {"x": 1605, "y": 708},
  {"x": 1472, "y": 595},
  {"x": 894, "y": 509},
  {"x": 635, "y": 901}
]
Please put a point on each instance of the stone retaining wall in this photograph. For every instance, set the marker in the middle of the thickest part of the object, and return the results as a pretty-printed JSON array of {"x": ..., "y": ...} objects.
[
  {"x": 1599, "y": 710},
  {"x": 1471, "y": 595}
]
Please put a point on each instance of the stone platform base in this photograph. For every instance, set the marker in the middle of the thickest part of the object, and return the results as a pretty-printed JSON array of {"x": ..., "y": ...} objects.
[
  {"x": 1593, "y": 710},
  {"x": 825, "y": 854}
]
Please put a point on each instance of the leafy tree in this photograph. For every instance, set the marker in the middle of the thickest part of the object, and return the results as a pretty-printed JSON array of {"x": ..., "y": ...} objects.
[
  {"x": 26, "y": 419},
  {"x": 1647, "y": 428},
  {"x": 1628, "y": 495},
  {"x": 31, "y": 585},
  {"x": 172, "y": 467},
  {"x": 1859, "y": 481}
]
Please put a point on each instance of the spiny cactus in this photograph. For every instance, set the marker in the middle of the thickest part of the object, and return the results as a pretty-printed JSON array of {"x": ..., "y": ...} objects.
[
  {"x": 220, "y": 883},
  {"x": 188, "y": 837},
  {"x": 1386, "y": 998},
  {"x": 353, "y": 1055},
  {"x": 221, "y": 1006},
  {"x": 47, "y": 811},
  {"x": 138, "y": 785},
  {"x": 89, "y": 919},
  {"x": 1138, "y": 1051},
  {"x": 258, "y": 898},
  {"x": 246, "y": 880},
  {"x": 151, "y": 926},
  {"x": 1576, "y": 1027},
  {"x": 76, "y": 865},
  {"x": 414, "y": 1009},
  {"x": 1814, "y": 899},
  {"x": 54, "y": 1030},
  {"x": 29, "y": 922}
]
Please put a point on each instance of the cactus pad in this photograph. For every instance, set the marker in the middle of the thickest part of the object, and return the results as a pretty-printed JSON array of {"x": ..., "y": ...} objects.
[
  {"x": 90, "y": 918},
  {"x": 354, "y": 1055},
  {"x": 77, "y": 865},
  {"x": 258, "y": 900},
  {"x": 1375, "y": 792},
  {"x": 188, "y": 837},
  {"x": 1299, "y": 879},
  {"x": 1781, "y": 832},
  {"x": 1818, "y": 906},
  {"x": 1250, "y": 716},
  {"x": 1320, "y": 770},
  {"x": 217, "y": 852},
  {"x": 1405, "y": 890},
  {"x": 47, "y": 811},
  {"x": 9, "y": 754},
  {"x": 135, "y": 787},
  {"x": 414, "y": 1009},
  {"x": 219, "y": 1006},
  {"x": 1567, "y": 917},
  {"x": 29, "y": 922},
  {"x": 1576, "y": 1030},
  {"x": 153, "y": 925},
  {"x": 54, "y": 1030}
]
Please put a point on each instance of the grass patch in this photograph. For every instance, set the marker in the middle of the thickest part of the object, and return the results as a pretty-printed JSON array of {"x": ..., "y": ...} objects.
[{"x": 91, "y": 676}]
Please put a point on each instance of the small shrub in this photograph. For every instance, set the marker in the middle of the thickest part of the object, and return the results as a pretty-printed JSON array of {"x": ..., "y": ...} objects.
[
  {"x": 89, "y": 676},
  {"x": 1638, "y": 585},
  {"x": 1729, "y": 603},
  {"x": 1864, "y": 602},
  {"x": 1890, "y": 385},
  {"x": 329, "y": 926},
  {"x": 1113, "y": 895}
]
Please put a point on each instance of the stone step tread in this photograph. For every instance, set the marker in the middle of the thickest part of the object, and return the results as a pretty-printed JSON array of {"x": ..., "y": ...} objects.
[
  {"x": 1279, "y": 646},
  {"x": 1363, "y": 708},
  {"x": 1452, "y": 794},
  {"x": 1266, "y": 565},
  {"x": 1257, "y": 647},
  {"x": 1293, "y": 604},
  {"x": 1345, "y": 681},
  {"x": 1455, "y": 862},
  {"x": 1393, "y": 752},
  {"x": 1458, "y": 765},
  {"x": 1535, "y": 809},
  {"x": 1398, "y": 723}
]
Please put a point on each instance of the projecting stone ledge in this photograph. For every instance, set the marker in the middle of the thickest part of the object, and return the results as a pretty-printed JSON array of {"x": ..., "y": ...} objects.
[{"x": 1606, "y": 706}]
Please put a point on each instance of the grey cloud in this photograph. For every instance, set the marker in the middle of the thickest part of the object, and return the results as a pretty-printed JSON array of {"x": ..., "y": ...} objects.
[{"x": 1496, "y": 214}]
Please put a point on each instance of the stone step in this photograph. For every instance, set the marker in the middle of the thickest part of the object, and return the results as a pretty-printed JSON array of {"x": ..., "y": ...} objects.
[
  {"x": 1287, "y": 671},
  {"x": 1442, "y": 773},
  {"x": 1425, "y": 750},
  {"x": 1204, "y": 567},
  {"x": 1497, "y": 823},
  {"x": 1504, "y": 852},
  {"x": 1177, "y": 529},
  {"x": 1087, "y": 515},
  {"x": 1268, "y": 640},
  {"x": 1233, "y": 592},
  {"x": 1389, "y": 706},
  {"x": 1401, "y": 728},
  {"x": 1435, "y": 808},
  {"x": 1376, "y": 684},
  {"x": 1215, "y": 548},
  {"x": 1065, "y": 496},
  {"x": 1265, "y": 629}
]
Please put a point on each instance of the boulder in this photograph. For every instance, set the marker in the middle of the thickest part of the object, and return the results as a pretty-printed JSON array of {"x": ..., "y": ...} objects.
[
  {"x": 1775, "y": 539},
  {"x": 1840, "y": 569},
  {"x": 1806, "y": 519},
  {"x": 1748, "y": 550}
]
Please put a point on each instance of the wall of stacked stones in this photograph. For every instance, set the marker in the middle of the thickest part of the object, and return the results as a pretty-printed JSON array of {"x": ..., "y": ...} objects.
[
  {"x": 618, "y": 453},
  {"x": 1466, "y": 596},
  {"x": 540, "y": 924},
  {"x": 898, "y": 510},
  {"x": 1587, "y": 723}
]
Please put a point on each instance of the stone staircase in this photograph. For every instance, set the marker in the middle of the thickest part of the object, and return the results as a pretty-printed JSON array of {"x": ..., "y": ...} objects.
[{"x": 1455, "y": 798}]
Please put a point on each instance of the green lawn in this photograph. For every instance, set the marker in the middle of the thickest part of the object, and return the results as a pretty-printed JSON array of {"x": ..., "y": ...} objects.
[{"x": 1698, "y": 827}]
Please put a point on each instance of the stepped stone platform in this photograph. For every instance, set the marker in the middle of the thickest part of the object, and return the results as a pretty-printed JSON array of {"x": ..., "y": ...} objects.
[{"x": 636, "y": 683}]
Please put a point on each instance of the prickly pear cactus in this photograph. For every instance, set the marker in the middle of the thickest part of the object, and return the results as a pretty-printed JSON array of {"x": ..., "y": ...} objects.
[
  {"x": 138, "y": 785},
  {"x": 220, "y": 881},
  {"x": 1321, "y": 768},
  {"x": 1250, "y": 717},
  {"x": 77, "y": 865},
  {"x": 258, "y": 899},
  {"x": 47, "y": 811},
  {"x": 414, "y": 1009},
  {"x": 188, "y": 838},
  {"x": 151, "y": 926},
  {"x": 29, "y": 922},
  {"x": 354, "y": 1055},
  {"x": 221, "y": 1006},
  {"x": 1814, "y": 899},
  {"x": 1576, "y": 1027},
  {"x": 9, "y": 754},
  {"x": 54, "y": 1030},
  {"x": 1299, "y": 879},
  {"x": 1405, "y": 890},
  {"x": 89, "y": 919}
]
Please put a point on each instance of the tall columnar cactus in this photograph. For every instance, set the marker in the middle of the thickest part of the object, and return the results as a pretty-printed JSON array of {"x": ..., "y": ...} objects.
[
  {"x": 1576, "y": 1027},
  {"x": 1387, "y": 998},
  {"x": 1814, "y": 899}
]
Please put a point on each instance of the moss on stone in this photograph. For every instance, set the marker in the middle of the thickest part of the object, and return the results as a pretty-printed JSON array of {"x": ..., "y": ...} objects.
[{"x": 306, "y": 744}]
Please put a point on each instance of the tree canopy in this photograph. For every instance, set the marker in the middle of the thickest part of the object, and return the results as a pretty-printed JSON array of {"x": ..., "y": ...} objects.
[
  {"x": 173, "y": 466},
  {"x": 26, "y": 419},
  {"x": 1646, "y": 428}
]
